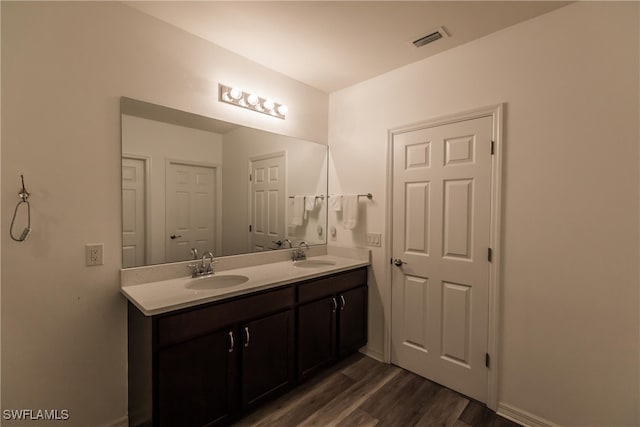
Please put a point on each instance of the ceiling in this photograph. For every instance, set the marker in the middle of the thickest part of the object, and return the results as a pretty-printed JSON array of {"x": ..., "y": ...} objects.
[{"x": 330, "y": 45}]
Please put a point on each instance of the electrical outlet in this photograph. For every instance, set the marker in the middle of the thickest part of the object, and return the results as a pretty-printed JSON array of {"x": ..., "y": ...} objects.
[
  {"x": 94, "y": 253},
  {"x": 374, "y": 239}
]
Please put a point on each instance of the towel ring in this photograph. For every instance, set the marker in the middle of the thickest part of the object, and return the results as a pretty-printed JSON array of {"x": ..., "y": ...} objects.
[{"x": 24, "y": 199}]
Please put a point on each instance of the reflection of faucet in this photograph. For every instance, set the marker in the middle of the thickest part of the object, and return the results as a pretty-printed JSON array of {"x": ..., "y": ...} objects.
[
  {"x": 279, "y": 243},
  {"x": 194, "y": 253},
  {"x": 299, "y": 253},
  {"x": 205, "y": 267}
]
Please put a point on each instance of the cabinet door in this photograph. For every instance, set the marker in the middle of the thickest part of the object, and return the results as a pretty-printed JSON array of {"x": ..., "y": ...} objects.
[
  {"x": 352, "y": 332},
  {"x": 316, "y": 335},
  {"x": 267, "y": 357},
  {"x": 197, "y": 381}
]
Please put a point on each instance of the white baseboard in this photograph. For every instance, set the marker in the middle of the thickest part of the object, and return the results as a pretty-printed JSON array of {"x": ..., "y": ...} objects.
[
  {"x": 522, "y": 417},
  {"x": 372, "y": 354},
  {"x": 120, "y": 422}
]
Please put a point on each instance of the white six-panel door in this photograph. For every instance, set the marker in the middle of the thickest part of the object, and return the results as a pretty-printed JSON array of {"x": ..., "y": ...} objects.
[
  {"x": 190, "y": 202},
  {"x": 441, "y": 233},
  {"x": 267, "y": 202}
]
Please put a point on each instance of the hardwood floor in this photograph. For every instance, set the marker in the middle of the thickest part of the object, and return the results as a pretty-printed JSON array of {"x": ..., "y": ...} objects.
[{"x": 360, "y": 391}]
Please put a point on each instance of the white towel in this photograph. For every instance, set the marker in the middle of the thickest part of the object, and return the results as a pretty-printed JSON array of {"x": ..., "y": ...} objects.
[
  {"x": 350, "y": 211},
  {"x": 296, "y": 210},
  {"x": 335, "y": 203},
  {"x": 309, "y": 204}
]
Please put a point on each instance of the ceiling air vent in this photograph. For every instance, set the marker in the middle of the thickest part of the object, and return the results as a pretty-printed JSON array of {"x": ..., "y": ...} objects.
[{"x": 431, "y": 36}]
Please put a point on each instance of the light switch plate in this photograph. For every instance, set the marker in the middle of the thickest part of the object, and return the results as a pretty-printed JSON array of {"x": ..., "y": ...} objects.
[
  {"x": 374, "y": 239},
  {"x": 94, "y": 254}
]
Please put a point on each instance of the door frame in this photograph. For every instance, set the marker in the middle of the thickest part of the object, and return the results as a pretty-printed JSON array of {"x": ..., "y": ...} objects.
[
  {"x": 217, "y": 167},
  {"x": 147, "y": 204},
  {"x": 252, "y": 159},
  {"x": 495, "y": 267}
]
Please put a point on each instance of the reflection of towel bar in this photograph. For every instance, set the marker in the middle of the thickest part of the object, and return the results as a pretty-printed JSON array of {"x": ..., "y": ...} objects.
[
  {"x": 368, "y": 196},
  {"x": 321, "y": 197}
]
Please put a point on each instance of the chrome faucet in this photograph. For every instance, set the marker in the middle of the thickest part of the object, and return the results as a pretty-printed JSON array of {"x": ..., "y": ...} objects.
[
  {"x": 205, "y": 267},
  {"x": 194, "y": 253},
  {"x": 299, "y": 253},
  {"x": 289, "y": 242}
]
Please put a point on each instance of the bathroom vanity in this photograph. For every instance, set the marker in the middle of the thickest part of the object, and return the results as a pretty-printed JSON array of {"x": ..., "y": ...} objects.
[
  {"x": 202, "y": 351},
  {"x": 207, "y": 358}
]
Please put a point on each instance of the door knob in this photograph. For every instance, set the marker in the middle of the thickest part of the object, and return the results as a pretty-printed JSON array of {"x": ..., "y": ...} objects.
[
  {"x": 173, "y": 236},
  {"x": 398, "y": 262}
]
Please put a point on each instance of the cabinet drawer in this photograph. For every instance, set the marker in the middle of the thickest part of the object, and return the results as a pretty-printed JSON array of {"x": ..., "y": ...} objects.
[
  {"x": 179, "y": 327},
  {"x": 325, "y": 286}
]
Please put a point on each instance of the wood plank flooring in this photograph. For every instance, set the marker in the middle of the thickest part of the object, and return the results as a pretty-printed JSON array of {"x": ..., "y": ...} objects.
[{"x": 360, "y": 391}]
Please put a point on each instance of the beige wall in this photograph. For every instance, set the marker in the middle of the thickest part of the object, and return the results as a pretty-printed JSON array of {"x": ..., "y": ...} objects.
[
  {"x": 64, "y": 67},
  {"x": 569, "y": 309}
]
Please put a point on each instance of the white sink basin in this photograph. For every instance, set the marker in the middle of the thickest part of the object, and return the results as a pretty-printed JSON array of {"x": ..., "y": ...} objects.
[
  {"x": 313, "y": 263},
  {"x": 216, "y": 282}
]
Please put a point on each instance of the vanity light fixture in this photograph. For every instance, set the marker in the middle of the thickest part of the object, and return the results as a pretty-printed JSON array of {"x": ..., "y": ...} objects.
[{"x": 251, "y": 101}]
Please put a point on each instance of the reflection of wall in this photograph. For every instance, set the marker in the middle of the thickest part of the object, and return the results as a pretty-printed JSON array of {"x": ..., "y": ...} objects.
[
  {"x": 305, "y": 161},
  {"x": 64, "y": 67},
  {"x": 161, "y": 141}
]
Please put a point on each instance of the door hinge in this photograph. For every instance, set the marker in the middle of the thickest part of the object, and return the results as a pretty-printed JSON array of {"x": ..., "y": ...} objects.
[
  {"x": 493, "y": 143},
  {"x": 251, "y": 176},
  {"x": 487, "y": 359},
  {"x": 249, "y": 228},
  {"x": 489, "y": 254}
]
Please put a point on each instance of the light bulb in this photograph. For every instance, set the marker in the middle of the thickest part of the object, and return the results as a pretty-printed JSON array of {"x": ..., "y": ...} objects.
[
  {"x": 236, "y": 93},
  {"x": 283, "y": 110},
  {"x": 253, "y": 99},
  {"x": 268, "y": 104}
]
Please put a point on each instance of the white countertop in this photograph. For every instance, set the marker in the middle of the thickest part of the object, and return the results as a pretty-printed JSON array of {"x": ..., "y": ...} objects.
[{"x": 167, "y": 295}]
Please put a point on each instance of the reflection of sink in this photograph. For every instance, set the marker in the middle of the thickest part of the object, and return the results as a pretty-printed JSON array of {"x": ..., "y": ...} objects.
[
  {"x": 216, "y": 282},
  {"x": 313, "y": 263}
]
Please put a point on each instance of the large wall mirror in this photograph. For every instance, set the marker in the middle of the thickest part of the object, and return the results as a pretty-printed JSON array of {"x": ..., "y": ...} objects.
[{"x": 192, "y": 184}]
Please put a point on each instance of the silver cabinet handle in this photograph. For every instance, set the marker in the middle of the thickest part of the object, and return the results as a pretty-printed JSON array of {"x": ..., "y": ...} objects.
[
  {"x": 246, "y": 333},
  {"x": 232, "y": 342},
  {"x": 335, "y": 304},
  {"x": 343, "y": 302}
]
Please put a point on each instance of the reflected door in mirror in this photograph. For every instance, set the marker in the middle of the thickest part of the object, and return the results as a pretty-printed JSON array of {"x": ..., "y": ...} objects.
[
  {"x": 191, "y": 210},
  {"x": 133, "y": 212},
  {"x": 268, "y": 202}
]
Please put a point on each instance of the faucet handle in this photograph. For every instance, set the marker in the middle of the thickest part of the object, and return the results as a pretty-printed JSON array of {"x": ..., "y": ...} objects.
[{"x": 195, "y": 268}]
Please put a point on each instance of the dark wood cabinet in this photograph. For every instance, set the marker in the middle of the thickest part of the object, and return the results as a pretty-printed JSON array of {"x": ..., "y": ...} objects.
[
  {"x": 316, "y": 335},
  {"x": 196, "y": 381},
  {"x": 204, "y": 366},
  {"x": 332, "y": 319},
  {"x": 267, "y": 357},
  {"x": 352, "y": 327}
]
